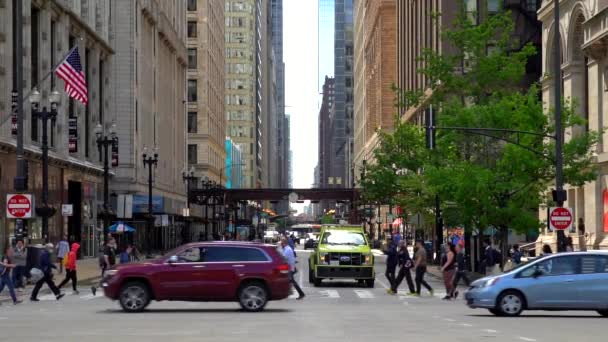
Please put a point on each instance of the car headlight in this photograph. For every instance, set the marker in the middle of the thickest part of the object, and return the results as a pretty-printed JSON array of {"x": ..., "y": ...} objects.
[
  {"x": 490, "y": 282},
  {"x": 111, "y": 273},
  {"x": 323, "y": 257},
  {"x": 368, "y": 259}
]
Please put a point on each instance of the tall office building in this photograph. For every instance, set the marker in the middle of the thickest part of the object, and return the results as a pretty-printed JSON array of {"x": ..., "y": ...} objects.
[
  {"x": 244, "y": 84},
  {"x": 269, "y": 113},
  {"x": 206, "y": 88},
  {"x": 277, "y": 46},
  {"x": 326, "y": 178},
  {"x": 325, "y": 41},
  {"x": 341, "y": 144},
  {"x": 149, "y": 101},
  {"x": 375, "y": 73}
]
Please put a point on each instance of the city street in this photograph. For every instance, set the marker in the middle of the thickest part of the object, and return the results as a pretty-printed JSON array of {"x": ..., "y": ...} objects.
[{"x": 336, "y": 311}]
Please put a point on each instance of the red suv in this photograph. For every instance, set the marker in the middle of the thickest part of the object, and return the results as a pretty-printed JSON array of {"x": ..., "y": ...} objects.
[{"x": 249, "y": 273}]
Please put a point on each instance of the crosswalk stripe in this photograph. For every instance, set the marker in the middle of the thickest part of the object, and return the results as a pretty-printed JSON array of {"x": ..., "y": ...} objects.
[
  {"x": 364, "y": 294},
  {"x": 329, "y": 294}
]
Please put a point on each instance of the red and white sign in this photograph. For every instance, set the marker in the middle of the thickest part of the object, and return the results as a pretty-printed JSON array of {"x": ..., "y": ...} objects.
[
  {"x": 560, "y": 218},
  {"x": 18, "y": 206}
]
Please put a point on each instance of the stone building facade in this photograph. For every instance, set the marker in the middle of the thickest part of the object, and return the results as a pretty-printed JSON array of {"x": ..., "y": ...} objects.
[
  {"x": 50, "y": 30},
  {"x": 584, "y": 72},
  {"x": 149, "y": 102}
]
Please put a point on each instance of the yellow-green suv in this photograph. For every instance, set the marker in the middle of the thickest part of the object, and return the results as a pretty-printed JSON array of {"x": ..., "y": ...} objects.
[{"x": 343, "y": 252}]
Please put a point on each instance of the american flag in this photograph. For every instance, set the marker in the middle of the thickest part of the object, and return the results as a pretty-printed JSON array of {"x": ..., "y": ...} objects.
[{"x": 70, "y": 71}]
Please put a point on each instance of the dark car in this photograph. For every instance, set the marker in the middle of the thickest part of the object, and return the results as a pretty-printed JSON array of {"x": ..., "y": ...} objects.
[{"x": 250, "y": 273}]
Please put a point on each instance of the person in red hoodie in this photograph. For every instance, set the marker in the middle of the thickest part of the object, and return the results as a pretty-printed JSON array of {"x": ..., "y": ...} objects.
[{"x": 70, "y": 267}]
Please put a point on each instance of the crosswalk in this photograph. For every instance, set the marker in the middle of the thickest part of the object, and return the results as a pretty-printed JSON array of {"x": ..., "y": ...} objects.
[
  {"x": 80, "y": 296},
  {"x": 360, "y": 294}
]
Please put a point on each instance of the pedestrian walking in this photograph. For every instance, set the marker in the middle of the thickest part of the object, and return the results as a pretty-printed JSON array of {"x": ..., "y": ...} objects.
[
  {"x": 291, "y": 260},
  {"x": 46, "y": 266},
  {"x": 391, "y": 265},
  {"x": 20, "y": 261},
  {"x": 70, "y": 268},
  {"x": 546, "y": 250},
  {"x": 582, "y": 242},
  {"x": 516, "y": 255},
  {"x": 108, "y": 260},
  {"x": 6, "y": 265},
  {"x": 449, "y": 270},
  {"x": 420, "y": 268},
  {"x": 490, "y": 258},
  {"x": 63, "y": 247},
  {"x": 569, "y": 244},
  {"x": 461, "y": 271},
  {"x": 405, "y": 264}
]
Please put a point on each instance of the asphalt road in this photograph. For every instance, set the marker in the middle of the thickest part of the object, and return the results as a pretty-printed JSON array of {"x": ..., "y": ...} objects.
[{"x": 334, "y": 312}]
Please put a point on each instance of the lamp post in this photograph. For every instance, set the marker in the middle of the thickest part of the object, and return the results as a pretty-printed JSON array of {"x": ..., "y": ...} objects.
[
  {"x": 188, "y": 177},
  {"x": 559, "y": 194},
  {"x": 149, "y": 161},
  {"x": 104, "y": 142},
  {"x": 206, "y": 185},
  {"x": 45, "y": 115}
]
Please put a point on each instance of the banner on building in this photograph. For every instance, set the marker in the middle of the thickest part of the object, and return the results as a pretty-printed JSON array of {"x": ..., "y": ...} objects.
[{"x": 73, "y": 134}]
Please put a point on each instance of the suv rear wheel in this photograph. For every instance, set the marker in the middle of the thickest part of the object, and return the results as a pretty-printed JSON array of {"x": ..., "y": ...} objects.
[
  {"x": 253, "y": 297},
  {"x": 134, "y": 296}
]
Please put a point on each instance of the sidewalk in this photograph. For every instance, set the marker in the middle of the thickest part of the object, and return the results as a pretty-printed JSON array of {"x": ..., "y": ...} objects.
[{"x": 88, "y": 272}]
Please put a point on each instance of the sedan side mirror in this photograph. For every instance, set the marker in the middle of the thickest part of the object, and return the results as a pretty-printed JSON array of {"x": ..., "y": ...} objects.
[{"x": 173, "y": 259}]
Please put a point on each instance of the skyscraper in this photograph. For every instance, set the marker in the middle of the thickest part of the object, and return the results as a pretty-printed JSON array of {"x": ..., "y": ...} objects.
[
  {"x": 244, "y": 84},
  {"x": 277, "y": 45},
  {"x": 206, "y": 84},
  {"x": 342, "y": 116}
]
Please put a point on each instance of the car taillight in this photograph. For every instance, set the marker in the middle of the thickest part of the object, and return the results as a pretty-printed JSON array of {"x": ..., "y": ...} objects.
[{"x": 283, "y": 268}]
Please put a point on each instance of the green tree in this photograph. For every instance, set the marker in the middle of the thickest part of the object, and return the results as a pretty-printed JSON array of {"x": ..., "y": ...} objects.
[{"x": 489, "y": 178}]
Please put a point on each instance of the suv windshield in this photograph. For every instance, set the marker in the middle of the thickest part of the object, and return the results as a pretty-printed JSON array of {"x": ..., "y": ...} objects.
[{"x": 339, "y": 237}]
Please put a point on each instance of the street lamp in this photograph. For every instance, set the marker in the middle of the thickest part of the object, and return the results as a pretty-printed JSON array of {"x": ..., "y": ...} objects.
[
  {"x": 54, "y": 99},
  {"x": 206, "y": 185},
  {"x": 149, "y": 161},
  {"x": 188, "y": 177},
  {"x": 103, "y": 144}
]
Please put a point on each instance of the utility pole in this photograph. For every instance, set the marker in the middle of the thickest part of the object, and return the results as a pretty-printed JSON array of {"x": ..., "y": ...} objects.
[{"x": 559, "y": 194}]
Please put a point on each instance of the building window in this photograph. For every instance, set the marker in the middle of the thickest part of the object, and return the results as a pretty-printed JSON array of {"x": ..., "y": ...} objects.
[
  {"x": 470, "y": 8},
  {"x": 192, "y": 123},
  {"x": 87, "y": 110},
  {"x": 191, "y": 58},
  {"x": 494, "y": 6},
  {"x": 192, "y": 29},
  {"x": 192, "y": 89},
  {"x": 192, "y": 5},
  {"x": 192, "y": 151}
]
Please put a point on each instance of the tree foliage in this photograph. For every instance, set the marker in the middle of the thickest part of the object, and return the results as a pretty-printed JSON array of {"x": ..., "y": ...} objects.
[{"x": 489, "y": 178}]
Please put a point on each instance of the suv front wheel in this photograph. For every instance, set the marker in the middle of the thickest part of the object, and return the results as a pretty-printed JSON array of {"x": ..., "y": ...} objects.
[
  {"x": 134, "y": 297},
  {"x": 253, "y": 297}
]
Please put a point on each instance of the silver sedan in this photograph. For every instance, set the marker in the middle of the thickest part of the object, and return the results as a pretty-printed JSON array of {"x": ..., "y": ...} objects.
[{"x": 565, "y": 281}]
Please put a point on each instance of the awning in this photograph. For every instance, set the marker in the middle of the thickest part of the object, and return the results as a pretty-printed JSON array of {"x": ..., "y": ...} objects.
[{"x": 121, "y": 227}]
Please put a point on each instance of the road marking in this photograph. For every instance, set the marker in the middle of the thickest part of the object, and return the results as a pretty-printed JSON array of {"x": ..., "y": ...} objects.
[
  {"x": 449, "y": 320},
  {"x": 465, "y": 325},
  {"x": 490, "y": 331},
  {"x": 365, "y": 294},
  {"x": 527, "y": 339},
  {"x": 329, "y": 294}
]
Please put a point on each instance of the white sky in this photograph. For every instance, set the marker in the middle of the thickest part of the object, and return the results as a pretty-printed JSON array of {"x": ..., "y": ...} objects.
[{"x": 301, "y": 96}]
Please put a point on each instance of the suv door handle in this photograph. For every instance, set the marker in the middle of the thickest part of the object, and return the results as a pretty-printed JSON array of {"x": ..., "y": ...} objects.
[
  {"x": 238, "y": 265},
  {"x": 199, "y": 266}
]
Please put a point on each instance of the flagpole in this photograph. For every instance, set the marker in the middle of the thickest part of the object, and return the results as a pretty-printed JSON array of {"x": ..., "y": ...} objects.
[{"x": 42, "y": 81}]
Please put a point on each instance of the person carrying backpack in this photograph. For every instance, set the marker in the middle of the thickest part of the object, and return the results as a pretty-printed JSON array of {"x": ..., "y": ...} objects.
[{"x": 70, "y": 268}]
